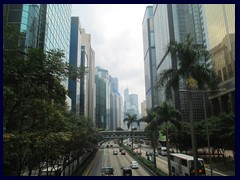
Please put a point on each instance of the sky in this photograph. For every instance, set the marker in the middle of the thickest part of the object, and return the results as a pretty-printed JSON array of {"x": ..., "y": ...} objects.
[{"x": 116, "y": 38}]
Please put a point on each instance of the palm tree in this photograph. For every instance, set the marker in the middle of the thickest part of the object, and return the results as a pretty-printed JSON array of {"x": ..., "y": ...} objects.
[
  {"x": 152, "y": 129},
  {"x": 130, "y": 119},
  {"x": 195, "y": 75},
  {"x": 167, "y": 114}
]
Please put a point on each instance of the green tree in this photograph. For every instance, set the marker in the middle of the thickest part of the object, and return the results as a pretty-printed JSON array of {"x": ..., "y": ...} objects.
[
  {"x": 152, "y": 129},
  {"x": 130, "y": 120},
  {"x": 196, "y": 75},
  {"x": 166, "y": 115}
]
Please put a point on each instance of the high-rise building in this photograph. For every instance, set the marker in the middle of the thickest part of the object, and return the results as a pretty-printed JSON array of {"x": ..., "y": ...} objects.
[
  {"x": 102, "y": 111},
  {"x": 150, "y": 59},
  {"x": 144, "y": 108},
  {"x": 173, "y": 22},
  {"x": 88, "y": 95},
  {"x": 27, "y": 18},
  {"x": 55, "y": 28},
  {"x": 130, "y": 106},
  {"x": 45, "y": 26},
  {"x": 74, "y": 61},
  {"x": 219, "y": 22},
  {"x": 115, "y": 105}
]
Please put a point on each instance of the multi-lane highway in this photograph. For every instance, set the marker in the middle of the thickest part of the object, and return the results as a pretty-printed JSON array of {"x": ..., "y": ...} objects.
[{"x": 105, "y": 157}]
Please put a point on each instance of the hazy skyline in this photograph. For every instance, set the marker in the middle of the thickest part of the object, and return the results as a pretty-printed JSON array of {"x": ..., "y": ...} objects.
[{"x": 116, "y": 37}]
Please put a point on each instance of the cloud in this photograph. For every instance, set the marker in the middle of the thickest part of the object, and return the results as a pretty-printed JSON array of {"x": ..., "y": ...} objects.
[{"x": 116, "y": 32}]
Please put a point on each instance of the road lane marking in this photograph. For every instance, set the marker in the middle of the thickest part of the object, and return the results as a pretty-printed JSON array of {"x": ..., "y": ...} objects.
[{"x": 90, "y": 167}]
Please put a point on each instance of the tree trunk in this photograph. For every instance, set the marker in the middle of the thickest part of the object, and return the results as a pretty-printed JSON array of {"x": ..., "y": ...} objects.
[
  {"x": 154, "y": 149},
  {"x": 168, "y": 155},
  {"x": 193, "y": 137}
]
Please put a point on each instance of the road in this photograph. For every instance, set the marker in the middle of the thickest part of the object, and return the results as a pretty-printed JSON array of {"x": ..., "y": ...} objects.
[
  {"x": 105, "y": 157},
  {"x": 162, "y": 163}
]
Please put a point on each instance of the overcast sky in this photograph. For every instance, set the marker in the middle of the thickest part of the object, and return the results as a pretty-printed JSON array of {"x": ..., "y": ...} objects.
[{"x": 116, "y": 37}]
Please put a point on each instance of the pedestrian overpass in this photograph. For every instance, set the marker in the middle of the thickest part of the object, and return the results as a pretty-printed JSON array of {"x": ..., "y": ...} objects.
[{"x": 109, "y": 135}]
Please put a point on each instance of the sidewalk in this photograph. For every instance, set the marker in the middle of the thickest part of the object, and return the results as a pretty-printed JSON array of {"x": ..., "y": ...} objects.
[{"x": 227, "y": 168}]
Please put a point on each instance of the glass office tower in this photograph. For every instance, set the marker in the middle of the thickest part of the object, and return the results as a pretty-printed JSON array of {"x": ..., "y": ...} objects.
[
  {"x": 150, "y": 59},
  {"x": 75, "y": 61},
  {"x": 173, "y": 22},
  {"x": 25, "y": 17},
  {"x": 45, "y": 26},
  {"x": 220, "y": 25},
  {"x": 57, "y": 28}
]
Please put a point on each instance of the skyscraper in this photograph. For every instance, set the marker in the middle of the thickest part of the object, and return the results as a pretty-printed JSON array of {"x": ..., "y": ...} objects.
[
  {"x": 219, "y": 21},
  {"x": 45, "y": 26},
  {"x": 130, "y": 106},
  {"x": 115, "y": 105},
  {"x": 25, "y": 17},
  {"x": 102, "y": 111},
  {"x": 88, "y": 91},
  {"x": 173, "y": 22},
  {"x": 150, "y": 59},
  {"x": 74, "y": 61}
]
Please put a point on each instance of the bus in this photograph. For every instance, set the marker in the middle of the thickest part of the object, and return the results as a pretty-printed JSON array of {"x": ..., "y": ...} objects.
[{"x": 183, "y": 165}]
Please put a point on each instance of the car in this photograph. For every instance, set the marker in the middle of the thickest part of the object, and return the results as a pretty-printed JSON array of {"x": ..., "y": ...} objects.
[
  {"x": 126, "y": 171},
  {"x": 107, "y": 171},
  {"x": 134, "y": 165},
  {"x": 120, "y": 149},
  {"x": 123, "y": 152},
  {"x": 115, "y": 152}
]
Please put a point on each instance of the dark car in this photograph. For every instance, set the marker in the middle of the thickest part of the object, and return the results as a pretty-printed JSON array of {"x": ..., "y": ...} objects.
[
  {"x": 123, "y": 152},
  {"x": 126, "y": 171},
  {"x": 107, "y": 171}
]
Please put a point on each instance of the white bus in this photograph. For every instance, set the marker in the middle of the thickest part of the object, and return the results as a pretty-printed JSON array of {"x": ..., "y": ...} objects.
[{"x": 183, "y": 165}]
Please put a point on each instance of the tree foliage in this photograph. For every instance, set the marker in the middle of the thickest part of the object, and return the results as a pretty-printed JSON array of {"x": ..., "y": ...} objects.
[{"x": 37, "y": 128}]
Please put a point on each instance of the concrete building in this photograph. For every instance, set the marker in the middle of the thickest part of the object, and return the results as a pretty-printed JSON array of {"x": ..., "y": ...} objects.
[{"x": 88, "y": 94}]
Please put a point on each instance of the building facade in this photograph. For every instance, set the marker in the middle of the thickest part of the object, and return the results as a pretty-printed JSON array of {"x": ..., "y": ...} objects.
[
  {"x": 172, "y": 23},
  {"x": 150, "y": 67},
  {"x": 75, "y": 61},
  {"x": 88, "y": 91},
  {"x": 102, "y": 111},
  {"x": 220, "y": 25},
  {"x": 44, "y": 26},
  {"x": 115, "y": 105},
  {"x": 130, "y": 107}
]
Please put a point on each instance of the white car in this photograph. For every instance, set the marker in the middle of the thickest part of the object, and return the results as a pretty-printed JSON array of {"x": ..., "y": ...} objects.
[{"x": 134, "y": 165}]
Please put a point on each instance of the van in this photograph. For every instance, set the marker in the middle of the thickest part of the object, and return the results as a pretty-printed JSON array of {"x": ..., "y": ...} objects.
[{"x": 163, "y": 151}]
